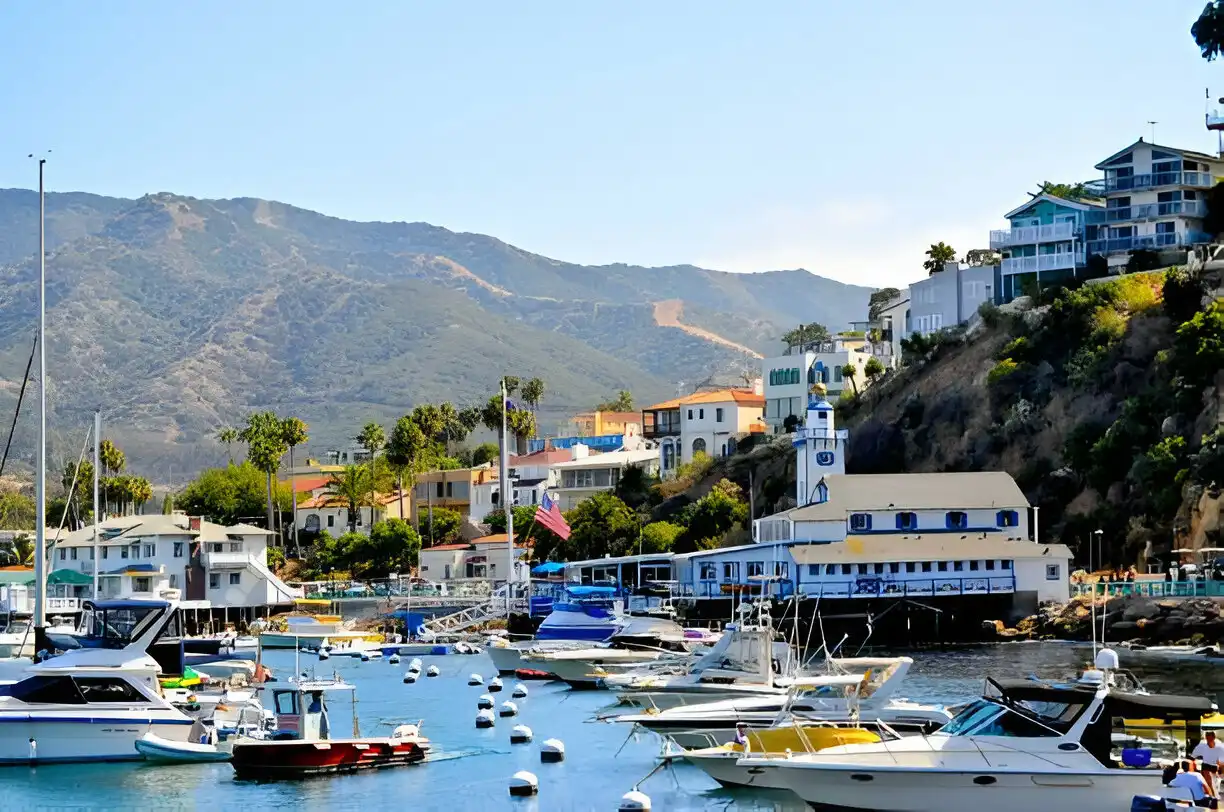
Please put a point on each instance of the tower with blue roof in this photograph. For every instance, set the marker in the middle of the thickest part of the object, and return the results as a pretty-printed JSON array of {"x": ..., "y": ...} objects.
[{"x": 820, "y": 449}]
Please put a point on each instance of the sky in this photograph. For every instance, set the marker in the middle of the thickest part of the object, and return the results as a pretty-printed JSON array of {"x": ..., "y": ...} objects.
[{"x": 841, "y": 137}]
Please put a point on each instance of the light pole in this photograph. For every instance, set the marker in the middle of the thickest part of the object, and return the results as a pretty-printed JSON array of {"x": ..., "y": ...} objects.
[{"x": 40, "y": 482}]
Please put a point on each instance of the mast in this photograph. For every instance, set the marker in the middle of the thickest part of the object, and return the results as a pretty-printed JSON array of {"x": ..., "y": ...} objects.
[
  {"x": 507, "y": 501},
  {"x": 97, "y": 450},
  {"x": 40, "y": 482}
]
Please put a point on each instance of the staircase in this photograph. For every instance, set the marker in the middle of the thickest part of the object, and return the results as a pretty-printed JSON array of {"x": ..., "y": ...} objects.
[
  {"x": 492, "y": 609},
  {"x": 284, "y": 592}
]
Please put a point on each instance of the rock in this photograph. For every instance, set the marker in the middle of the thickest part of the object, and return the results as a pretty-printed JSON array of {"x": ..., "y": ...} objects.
[
  {"x": 1017, "y": 305},
  {"x": 1141, "y": 608},
  {"x": 1168, "y": 426},
  {"x": 1124, "y": 629}
]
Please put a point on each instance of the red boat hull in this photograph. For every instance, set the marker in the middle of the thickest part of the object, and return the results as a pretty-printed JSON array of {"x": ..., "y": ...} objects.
[{"x": 273, "y": 760}]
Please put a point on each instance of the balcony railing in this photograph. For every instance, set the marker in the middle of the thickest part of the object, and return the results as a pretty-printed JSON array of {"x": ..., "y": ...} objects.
[
  {"x": 227, "y": 559},
  {"x": 868, "y": 587},
  {"x": 662, "y": 430},
  {"x": 1043, "y": 262},
  {"x": 1145, "y": 241},
  {"x": 1197, "y": 588},
  {"x": 1152, "y": 211},
  {"x": 1200, "y": 180},
  {"x": 1028, "y": 235}
]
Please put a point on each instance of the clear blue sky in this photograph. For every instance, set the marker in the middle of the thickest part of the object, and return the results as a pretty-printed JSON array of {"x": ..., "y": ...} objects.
[{"x": 838, "y": 136}]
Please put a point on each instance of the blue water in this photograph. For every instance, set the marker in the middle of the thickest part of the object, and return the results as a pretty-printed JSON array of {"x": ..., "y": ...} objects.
[{"x": 474, "y": 766}]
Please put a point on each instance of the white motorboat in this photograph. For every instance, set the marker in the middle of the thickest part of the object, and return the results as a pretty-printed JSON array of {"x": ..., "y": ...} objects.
[
  {"x": 815, "y": 700},
  {"x": 228, "y": 670},
  {"x": 507, "y": 655},
  {"x": 93, "y": 703},
  {"x": 1025, "y": 745},
  {"x": 640, "y": 640},
  {"x": 168, "y": 751}
]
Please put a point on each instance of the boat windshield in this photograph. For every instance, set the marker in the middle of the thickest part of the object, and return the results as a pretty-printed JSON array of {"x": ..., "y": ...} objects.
[{"x": 988, "y": 718}]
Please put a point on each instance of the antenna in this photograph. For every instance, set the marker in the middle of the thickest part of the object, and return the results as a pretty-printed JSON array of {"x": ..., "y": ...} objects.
[{"x": 1153, "y": 124}]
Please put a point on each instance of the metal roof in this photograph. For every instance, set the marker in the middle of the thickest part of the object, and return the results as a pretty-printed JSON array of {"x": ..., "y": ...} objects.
[{"x": 901, "y": 492}]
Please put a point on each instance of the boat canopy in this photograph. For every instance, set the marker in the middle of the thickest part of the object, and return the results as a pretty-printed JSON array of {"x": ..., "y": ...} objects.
[
  {"x": 548, "y": 568},
  {"x": 1167, "y": 706},
  {"x": 812, "y": 683},
  {"x": 590, "y": 591}
]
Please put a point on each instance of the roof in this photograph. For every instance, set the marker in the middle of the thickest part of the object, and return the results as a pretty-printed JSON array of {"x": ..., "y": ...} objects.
[
  {"x": 615, "y": 417},
  {"x": 924, "y": 547},
  {"x": 743, "y": 397},
  {"x": 445, "y": 548},
  {"x": 323, "y": 500},
  {"x": 139, "y": 569},
  {"x": 948, "y": 491},
  {"x": 247, "y": 530},
  {"x": 547, "y": 457},
  {"x": 611, "y": 459},
  {"x": 674, "y": 403},
  {"x": 1202, "y": 156},
  {"x": 1059, "y": 201},
  {"x": 128, "y": 529},
  {"x": 305, "y": 484},
  {"x": 495, "y": 538}
]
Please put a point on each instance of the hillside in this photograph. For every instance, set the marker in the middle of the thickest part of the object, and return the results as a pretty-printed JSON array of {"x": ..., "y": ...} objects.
[{"x": 179, "y": 315}]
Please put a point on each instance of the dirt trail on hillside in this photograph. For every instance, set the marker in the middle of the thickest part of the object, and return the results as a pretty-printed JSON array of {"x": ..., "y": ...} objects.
[{"x": 667, "y": 314}]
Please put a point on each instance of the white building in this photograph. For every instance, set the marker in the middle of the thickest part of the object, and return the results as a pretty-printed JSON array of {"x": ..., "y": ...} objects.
[
  {"x": 179, "y": 557},
  {"x": 531, "y": 474},
  {"x": 331, "y": 513},
  {"x": 586, "y": 474},
  {"x": 714, "y": 423},
  {"x": 950, "y": 297},
  {"x": 787, "y": 378}
]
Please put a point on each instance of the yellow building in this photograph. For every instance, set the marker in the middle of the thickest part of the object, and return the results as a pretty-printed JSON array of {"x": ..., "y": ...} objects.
[
  {"x": 449, "y": 489},
  {"x": 599, "y": 423}
]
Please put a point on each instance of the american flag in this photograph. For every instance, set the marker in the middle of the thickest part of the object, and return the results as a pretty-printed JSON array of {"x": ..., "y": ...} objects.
[{"x": 548, "y": 513}]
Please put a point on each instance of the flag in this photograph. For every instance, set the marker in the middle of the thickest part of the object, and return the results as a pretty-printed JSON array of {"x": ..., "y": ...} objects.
[
  {"x": 548, "y": 513},
  {"x": 511, "y": 406}
]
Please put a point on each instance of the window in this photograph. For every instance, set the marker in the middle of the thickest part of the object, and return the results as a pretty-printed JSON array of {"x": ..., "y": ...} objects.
[
  {"x": 108, "y": 689},
  {"x": 699, "y": 446},
  {"x": 104, "y": 552},
  {"x": 730, "y": 571},
  {"x": 235, "y": 579},
  {"x": 860, "y": 521},
  {"x": 894, "y": 568},
  {"x": 173, "y": 581},
  {"x": 1007, "y": 565},
  {"x": 439, "y": 489},
  {"x": 1166, "y": 228},
  {"x": 973, "y": 565},
  {"x": 926, "y": 566},
  {"x": 756, "y": 568},
  {"x": 990, "y": 565},
  {"x": 123, "y": 552},
  {"x": 178, "y": 549},
  {"x": 837, "y": 374},
  {"x": 1053, "y": 572},
  {"x": 142, "y": 584},
  {"x": 907, "y": 521},
  {"x": 358, "y": 522},
  {"x": 1008, "y": 518},
  {"x": 957, "y": 520},
  {"x": 690, "y": 417},
  {"x": 214, "y": 580},
  {"x": 450, "y": 490},
  {"x": 959, "y": 566},
  {"x": 214, "y": 548},
  {"x": 150, "y": 550},
  {"x": 708, "y": 572},
  {"x": 72, "y": 553},
  {"x": 846, "y": 569},
  {"x": 781, "y": 569},
  {"x": 878, "y": 569},
  {"x": 910, "y": 566},
  {"x": 331, "y": 521},
  {"x": 814, "y": 569},
  {"x": 830, "y": 569},
  {"x": 718, "y": 415},
  {"x": 943, "y": 566},
  {"x": 862, "y": 569},
  {"x": 64, "y": 553},
  {"x": 58, "y": 690}
]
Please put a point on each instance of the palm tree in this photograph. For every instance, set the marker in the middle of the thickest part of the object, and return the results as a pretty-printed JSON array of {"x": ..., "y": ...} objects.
[
  {"x": 22, "y": 549},
  {"x": 265, "y": 447},
  {"x": 848, "y": 372},
  {"x": 873, "y": 369},
  {"x": 228, "y": 436},
  {"x": 141, "y": 492},
  {"x": 454, "y": 430},
  {"x": 113, "y": 462},
  {"x": 293, "y": 432},
  {"x": 937, "y": 255},
  {"x": 409, "y": 452},
  {"x": 349, "y": 485},
  {"x": 533, "y": 393},
  {"x": 372, "y": 438}
]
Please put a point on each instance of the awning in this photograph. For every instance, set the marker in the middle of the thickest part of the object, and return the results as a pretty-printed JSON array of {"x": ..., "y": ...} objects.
[
  {"x": 548, "y": 568},
  {"x": 70, "y": 577}
]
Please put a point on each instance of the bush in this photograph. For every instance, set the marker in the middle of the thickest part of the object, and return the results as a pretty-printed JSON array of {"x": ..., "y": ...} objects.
[
  {"x": 276, "y": 558},
  {"x": 1142, "y": 260},
  {"x": 989, "y": 313},
  {"x": 1183, "y": 294},
  {"x": 1200, "y": 346},
  {"x": 1002, "y": 370}
]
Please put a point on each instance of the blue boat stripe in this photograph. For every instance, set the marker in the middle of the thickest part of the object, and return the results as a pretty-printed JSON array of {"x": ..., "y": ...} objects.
[{"x": 93, "y": 721}]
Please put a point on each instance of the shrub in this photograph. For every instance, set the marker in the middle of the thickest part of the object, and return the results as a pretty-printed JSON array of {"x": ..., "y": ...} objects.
[
  {"x": 1183, "y": 293},
  {"x": 989, "y": 313},
  {"x": 1142, "y": 260},
  {"x": 1002, "y": 371},
  {"x": 1200, "y": 345}
]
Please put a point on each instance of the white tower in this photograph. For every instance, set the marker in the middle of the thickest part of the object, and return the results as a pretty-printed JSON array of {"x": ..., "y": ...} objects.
[{"x": 820, "y": 449}]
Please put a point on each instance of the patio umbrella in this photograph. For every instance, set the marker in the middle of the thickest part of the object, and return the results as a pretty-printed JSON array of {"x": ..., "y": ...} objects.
[
  {"x": 548, "y": 568},
  {"x": 70, "y": 577}
]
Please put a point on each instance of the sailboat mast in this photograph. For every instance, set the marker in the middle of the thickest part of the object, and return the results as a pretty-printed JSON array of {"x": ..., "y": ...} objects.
[
  {"x": 507, "y": 498},
  {"x": 40, "y": 482},
  {"x": 97, "y": 455}
]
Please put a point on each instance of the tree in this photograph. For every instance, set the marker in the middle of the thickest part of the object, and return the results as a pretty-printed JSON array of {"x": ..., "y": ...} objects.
[
  {"x": 113, "y": 462},
  {"x": 266, "y": 445},
  {"x": 1199, "y": 345},
  {"x": 441, "y": 526},
  {"x": 979, "y": 257},
  {"x": 601, "y": 525},
  {"x": 293, "y": 434},
  {"x": 519, "y": 422},
  {"x": 660, "y": 537},
  {"x": 1213, "y": 221},
  {"x": 873, "y": 369},
  {"x": 849, "y": 371},
  {"x": 805, "y": 336},
  {"x": 392, "y": 546},
  {"x": 372, "y": 438},
  {"x": 470, "y": 417},
  {"x": 1067, "y": 191},
  {"x": 1183, "y": 294},
  {"x": 791, "y": 423},
  {"x": 22, "y": 550},
  {"x": 227, "y": 437},
  {"x": 485, "y": 453},
  {"x": 409, "y": 452},
  {"x": 168, "y": 504},
  {"x": 228, "y": 495},
  {"x": 936, "y": 256},
  {"x": 352, "y": 485},
  {"x": 623, "y": 402},
  {"x": 532, "y": 393},
  {"x": 1208, "y": 30},
  {"x": 140, "y": 490},
  {"x": 80, "y": 496},
  {"x": 17, "y": 511},
  {"x": 512, "y": 384},
  {"x": 712, "y": 516},
  {"x": 633, "y": 487},
  {"x": 877, "y": 300},
  {"x": 454, "y": 430}
]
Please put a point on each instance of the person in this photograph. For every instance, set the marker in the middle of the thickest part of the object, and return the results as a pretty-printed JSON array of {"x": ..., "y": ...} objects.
[
  {"x": 1210, "y": 751},
  {"x": 741, "y": 735},
  {"x": 1200, "y": 791}
]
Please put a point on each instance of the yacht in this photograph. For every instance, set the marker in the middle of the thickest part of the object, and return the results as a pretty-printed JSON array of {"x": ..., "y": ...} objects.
[
  {"x": 94, "y": 702},
  {"x": 871, "y": 699},
  {"x": 1025, "y": 745},
  {"x": 640, "y": 640},
  {"x": 586, "y": 614}
]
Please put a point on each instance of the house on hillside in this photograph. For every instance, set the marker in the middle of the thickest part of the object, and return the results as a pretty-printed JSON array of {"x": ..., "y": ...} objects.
[
  {"x": 787, "y": 378},
  {"x": 586, "y": 474},
  {"x": 1046, "y": 243},
  {"x": 531, "y": 474},
  {"x": 452, "y": 489},
  {"x": 714, "y": 423},
  {"x": 950, "y": 297},
  {"x": 480, "y": 558},
  {"x": 602, "y": 422},
  {"x": 331, "y": 513}
]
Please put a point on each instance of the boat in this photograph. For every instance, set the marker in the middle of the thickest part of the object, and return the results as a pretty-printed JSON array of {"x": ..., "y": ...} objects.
[
  {"x": 167, "y": 751},
  {"x": 507, "y": 656},
  {"x": 303, "y": 744},
  {"x": 640, "y": 640},
  {"x": 810, "y": 700},
  {"x": 585, "y": 615},
  {"x": 92, "y": 703},
  {"x": 1025, "y": 745},
  {"x": 415, "y": 649},
  {"x": 311, "y": 630}
]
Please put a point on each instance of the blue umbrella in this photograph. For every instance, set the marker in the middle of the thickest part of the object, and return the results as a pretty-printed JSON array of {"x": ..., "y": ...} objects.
[{"x": 548, "y": 569}]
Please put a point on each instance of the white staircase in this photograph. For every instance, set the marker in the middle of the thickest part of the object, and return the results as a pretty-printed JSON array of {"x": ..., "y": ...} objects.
[
  {"x": 284, "y": 592},
  {"x": 492, "y": 609}
]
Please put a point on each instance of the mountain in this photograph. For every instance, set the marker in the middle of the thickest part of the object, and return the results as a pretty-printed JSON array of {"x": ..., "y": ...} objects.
[{"x": 179, "y": 315}]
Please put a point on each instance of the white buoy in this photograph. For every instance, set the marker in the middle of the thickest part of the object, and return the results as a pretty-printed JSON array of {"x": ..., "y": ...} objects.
[
  {"x": 475, "y": 679},
  {"x": 524, "y": 784},
  {"x": 521, "y": 734},
  {"x": 508, "y": 708},
  {"x": 415, "y": 665},
  {"x": 485, "y": 718},
  {"x": 432, "y": 671},
  {"x": 484, "y": 702},
  {"x": 520, "y": 690},
  {"x": 33, "y": 749},
  {"x": 365, "y": 656},
  {"x": 410, "y": 677},
  {"x": 393, "y": 659},
  {"x": 495, "y": 684},
  {"x": 634, "y": 801},
  {"x": 552, "y": 751},
  {"x": 323, "y": 655}
]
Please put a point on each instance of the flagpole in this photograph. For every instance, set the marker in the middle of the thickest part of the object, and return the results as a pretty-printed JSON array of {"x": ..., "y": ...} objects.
[{"x": 507, "y": 500}]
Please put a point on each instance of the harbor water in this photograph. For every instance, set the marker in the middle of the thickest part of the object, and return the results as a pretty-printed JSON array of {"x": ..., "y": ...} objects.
[{"x": 471, "y": 768}]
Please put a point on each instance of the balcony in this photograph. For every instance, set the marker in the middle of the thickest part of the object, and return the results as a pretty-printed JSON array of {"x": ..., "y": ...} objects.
[
  {"x": 226, "y": 560},
  {"x": 1146, "y": 241},
  {"x": 1028, "y": 235},
  {"x": 1198, "y": 180},
  {"x": 1043, "y": 262},
  {"x": 1152, "y": 211}
]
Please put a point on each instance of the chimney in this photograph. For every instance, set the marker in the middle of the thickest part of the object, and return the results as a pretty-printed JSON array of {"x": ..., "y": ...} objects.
[
  {"x": 757, "y": 387},
  {"x": 579, "y": 451},
  {"x": 193, "y": 523}
]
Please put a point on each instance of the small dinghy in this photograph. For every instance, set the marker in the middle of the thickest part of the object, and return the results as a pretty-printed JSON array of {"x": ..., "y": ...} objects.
[{"x": 163, "y": 751}]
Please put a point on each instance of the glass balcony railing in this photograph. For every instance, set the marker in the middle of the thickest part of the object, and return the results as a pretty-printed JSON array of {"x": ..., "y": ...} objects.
[
  {"x": 1146, "y": 241},
  {"x": 1151, "y": 180},
  {"x": 1043, "y": 262},
  {"x": 1029, "y": 235},
  {"x": 1152, "y": 211}
]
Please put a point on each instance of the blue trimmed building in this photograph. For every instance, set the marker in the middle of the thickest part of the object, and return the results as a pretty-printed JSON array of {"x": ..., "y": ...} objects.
[{"x": 1046, "y": 243}]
